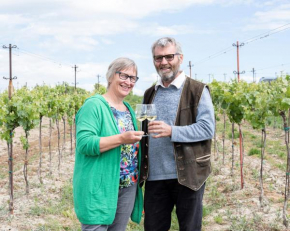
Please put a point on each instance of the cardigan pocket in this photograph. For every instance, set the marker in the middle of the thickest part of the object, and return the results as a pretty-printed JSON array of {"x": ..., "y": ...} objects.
[
  {"x": 105, "y": 196},
  {"x": 96, "y": 192},
  {"x": 97, "y": 184}
]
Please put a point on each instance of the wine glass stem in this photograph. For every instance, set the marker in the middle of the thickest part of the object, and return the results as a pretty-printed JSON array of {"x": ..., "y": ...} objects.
[{"x": 141, "y": 126}]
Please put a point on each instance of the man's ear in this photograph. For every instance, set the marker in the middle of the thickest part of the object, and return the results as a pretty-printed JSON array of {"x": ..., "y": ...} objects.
[{"x": 180, "y": 59}]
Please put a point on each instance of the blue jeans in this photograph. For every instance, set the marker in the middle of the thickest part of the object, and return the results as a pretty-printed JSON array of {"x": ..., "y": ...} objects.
[
  {"x": 126, "y": 200},
  {"x": 159, "y": 201}
]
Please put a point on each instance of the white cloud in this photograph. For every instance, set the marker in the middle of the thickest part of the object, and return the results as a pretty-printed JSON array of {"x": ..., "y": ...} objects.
[
  {"x": 270, "y": 19},
  {"x": 133, "y": 8},
  {"x": 13, "y": 19},
  {"x": 107, "y": 41},
  {"x": 157, "y": 30},
  {"x": 138, "y": 91},
  {"x": 90, "y": 18},
  {"x": 79, "y": 43},
  {"x": 32, "y": 71},
  {"x": 247, "y": 78},
  {"x": 151, "y": 78},
  {"x": 135, "y": 56}
]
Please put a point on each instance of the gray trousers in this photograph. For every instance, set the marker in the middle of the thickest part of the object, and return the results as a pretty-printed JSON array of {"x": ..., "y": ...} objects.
[{"x": 126, "y": 200}]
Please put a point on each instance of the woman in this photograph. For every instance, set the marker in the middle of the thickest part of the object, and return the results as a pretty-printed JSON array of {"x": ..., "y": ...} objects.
[{"x": 105, "y": 182}]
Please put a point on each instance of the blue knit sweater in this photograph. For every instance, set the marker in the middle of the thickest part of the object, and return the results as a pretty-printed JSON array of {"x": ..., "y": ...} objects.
[{"x": 161, "y": 150}]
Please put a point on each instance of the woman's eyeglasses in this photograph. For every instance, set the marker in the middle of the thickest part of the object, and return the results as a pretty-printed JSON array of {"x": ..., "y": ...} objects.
[{"x": 124, "y": 76}]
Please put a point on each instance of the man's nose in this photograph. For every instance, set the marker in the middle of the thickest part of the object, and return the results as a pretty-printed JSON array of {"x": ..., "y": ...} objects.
[{"x": 164, "y": 61}]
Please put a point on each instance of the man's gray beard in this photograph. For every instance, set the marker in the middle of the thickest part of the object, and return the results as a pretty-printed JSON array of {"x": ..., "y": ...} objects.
[{"x": 168, "y": 78}]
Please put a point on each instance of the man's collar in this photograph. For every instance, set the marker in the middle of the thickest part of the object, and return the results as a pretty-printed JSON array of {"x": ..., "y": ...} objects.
[{"x": 177, "y": 82}]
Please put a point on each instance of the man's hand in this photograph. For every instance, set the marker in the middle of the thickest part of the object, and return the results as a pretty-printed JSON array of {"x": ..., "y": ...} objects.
[{"x": 160, "y": 129}]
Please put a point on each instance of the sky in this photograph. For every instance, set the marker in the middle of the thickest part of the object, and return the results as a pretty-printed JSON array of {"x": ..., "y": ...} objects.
[{"x": 52, "y": 36}]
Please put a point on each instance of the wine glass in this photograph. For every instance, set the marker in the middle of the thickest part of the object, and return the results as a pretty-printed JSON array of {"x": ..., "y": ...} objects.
[
  {"x": 145, "y": 111},
  {"x": 151, "y": 112},
  {"x": 141, "y": 113}
]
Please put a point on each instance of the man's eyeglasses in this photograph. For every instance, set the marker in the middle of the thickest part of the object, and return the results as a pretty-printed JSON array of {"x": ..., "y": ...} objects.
[
  {"x": 159, "y": 58},
  {"x": 124, "y": 76}
]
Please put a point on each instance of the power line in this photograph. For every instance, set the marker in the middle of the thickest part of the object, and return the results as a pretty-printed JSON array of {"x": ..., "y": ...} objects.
[
  {"x": 247, "y": 41},
  {"x": 283, "y": 64},
  {"x": 44, "y": 58},
  {"x": 268, "y": 33},
  {"x": 224, "y": 51},
  {"x": 49, "y": 59}
]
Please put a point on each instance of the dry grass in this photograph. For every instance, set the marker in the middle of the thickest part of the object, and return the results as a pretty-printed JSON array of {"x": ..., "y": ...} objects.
[{"x": 226, "y": 206}]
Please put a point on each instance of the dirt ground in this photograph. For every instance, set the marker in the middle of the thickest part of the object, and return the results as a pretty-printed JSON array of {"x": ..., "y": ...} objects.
[
  {"x": 231, "y": 208},
  {"x": 38, "y": 193}
]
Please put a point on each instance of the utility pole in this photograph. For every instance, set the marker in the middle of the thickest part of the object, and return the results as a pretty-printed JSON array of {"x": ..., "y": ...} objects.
[
  {"x": 254, "y": 72},
  {"x": 75, "y": 67},
  {"x": 240, "y": 130},
  {"x": 98, "y": 81},
  {"x": 238, "y": 61},
  {"x": 225, "y": 77},
  {"x": 190, "y": 68},
  {"x": 10, "y": 144},
  {"x": 208, "y": 78},
  {"x": 10, "y": 87},
  {"x": 195, "y": 76}
]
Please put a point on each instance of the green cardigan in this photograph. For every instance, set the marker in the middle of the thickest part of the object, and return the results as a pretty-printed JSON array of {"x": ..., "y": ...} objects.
[{"x": 97, "y": 175}]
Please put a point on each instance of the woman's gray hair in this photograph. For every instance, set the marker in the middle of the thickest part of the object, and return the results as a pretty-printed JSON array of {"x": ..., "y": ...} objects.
[
  {"x": 165, "y": 41},
  {"x": 120, "y": 64}
]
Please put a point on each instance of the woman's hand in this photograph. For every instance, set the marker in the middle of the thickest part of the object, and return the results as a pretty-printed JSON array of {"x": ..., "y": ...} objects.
[
  {"x": 109, "y": 142},
  {"x": 131, "y": 137}
]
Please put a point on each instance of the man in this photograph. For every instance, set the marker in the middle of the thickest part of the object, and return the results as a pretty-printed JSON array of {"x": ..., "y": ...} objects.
[{"x": 176, "y": 158}]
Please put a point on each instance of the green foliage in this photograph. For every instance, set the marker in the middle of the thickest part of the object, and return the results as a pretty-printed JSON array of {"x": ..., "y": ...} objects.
[
  {"x": 27, "y": 107},
  {"x": 218, "y": 219},
  {"x": 254, "y": 102},
  {"x": 282, "y": 155},
  {"x": 133, "y": 100},
  {"x": 236, "y": 135},
  {"x": 99, "y": 89},
  {"x": 206, "y": 210},
  {"x": 254, "y": 151},
  {"x": 24, "y": 142},
  {"x": 59, "y": 207}
]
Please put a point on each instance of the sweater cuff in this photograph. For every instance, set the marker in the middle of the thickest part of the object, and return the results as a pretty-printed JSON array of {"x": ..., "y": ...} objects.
[{"x": 174, "y": 132}]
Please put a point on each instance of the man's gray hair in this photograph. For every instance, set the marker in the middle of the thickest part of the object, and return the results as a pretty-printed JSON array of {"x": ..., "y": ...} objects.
[
  {"x": 120, "y": 64},
  {"x": 165, "y": 41}
]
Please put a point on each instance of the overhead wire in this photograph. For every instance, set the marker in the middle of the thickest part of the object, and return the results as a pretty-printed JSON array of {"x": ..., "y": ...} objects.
[
  {"x": 267, "y": 34},
  {"x": 247, "y": 41},
  {"x": 44, "y": 58},
  {"x": 283, "y": 64},
  {"x": 214, "y": 55}
]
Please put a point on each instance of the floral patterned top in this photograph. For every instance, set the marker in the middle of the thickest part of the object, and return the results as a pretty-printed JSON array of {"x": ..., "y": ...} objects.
[{"x": 129, "y": 152}]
